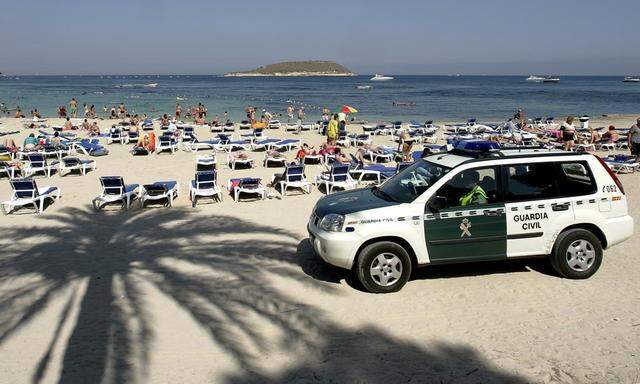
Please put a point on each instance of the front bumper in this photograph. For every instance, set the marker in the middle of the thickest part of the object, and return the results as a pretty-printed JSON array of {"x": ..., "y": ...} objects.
[{"x": 336, "y": 248}]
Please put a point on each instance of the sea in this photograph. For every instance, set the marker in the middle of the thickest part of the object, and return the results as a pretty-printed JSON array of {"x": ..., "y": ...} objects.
[{"x": 420, "y": 98}]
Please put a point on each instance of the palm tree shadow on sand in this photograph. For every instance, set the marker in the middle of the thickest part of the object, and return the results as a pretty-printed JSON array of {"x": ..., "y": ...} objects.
[{"x": 218, "y": 270}]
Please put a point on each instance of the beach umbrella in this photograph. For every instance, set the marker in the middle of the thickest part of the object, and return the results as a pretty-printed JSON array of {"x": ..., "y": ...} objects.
[{"x": 348, "y": 109}]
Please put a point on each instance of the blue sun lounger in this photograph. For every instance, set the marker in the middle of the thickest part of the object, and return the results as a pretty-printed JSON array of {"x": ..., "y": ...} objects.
[
  {"x": 115, "y": 190},
  {"x": 338, "y": 176},
  {"x": 26, "y": 192},
  {"x": 158, "y": 191},
  {"x": 205, "y": 184}
]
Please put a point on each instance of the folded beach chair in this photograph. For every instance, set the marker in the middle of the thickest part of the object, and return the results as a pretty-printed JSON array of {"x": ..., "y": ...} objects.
[
  {"x": 338, "y": 176},
  {"x": 160, "y": 191},
  {"x": 36, "y": 163},
  {"x": 26, "y": 192},
  {"x": 115, "y": 190},
  {"x": 234, "y": 161},
  {"x": 115, "y": 136},
  {"x": 166, "y": 143},
  {"x": 293, "y": 177},
  {"x": 70, "y": 164},
  {"x": 287, "y": 144},
  {"x": 89, "y": 147},
  {"x": 131, "y": 137},
  {"x": 205, "y": 184},
  {"x": 270, "y": 159},
  {"x": 206, "y": 163},
  {"x": 246, "y": 185}
]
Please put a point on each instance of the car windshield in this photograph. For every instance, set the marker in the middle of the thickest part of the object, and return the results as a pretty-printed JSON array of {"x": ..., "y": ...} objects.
[{"x": 407, "y": 185}]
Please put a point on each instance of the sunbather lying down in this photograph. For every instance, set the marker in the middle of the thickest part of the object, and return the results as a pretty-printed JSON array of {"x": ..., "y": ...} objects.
[
  {"x": 146, "y": 143},
  {"x": 273, "y": 154},
  {"x": 362, "y": 151}
]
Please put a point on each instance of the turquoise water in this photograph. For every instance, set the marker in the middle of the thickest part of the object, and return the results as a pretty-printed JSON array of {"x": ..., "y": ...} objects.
[{"x": 435, "y": 97}]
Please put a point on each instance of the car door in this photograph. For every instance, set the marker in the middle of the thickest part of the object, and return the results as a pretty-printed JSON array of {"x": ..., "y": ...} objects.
[
  {"x": 536, "y": 206},
  {"x": 457, "y": 230}
]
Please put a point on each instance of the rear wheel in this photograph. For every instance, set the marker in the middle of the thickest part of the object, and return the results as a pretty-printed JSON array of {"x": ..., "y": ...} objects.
[
  {"x": 577, "y": 254},
  {"x": 383, "y": 267}
]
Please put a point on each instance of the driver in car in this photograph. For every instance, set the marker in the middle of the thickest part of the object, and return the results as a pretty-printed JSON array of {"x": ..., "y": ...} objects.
[{"x": 476, "y": 195}]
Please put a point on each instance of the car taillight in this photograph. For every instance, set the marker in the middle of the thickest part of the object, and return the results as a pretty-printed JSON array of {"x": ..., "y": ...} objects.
[{"x": 611, "y": 173}]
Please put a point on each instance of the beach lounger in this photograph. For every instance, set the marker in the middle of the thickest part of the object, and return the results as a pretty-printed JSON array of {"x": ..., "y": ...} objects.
[
  {"x": 385, "y": 154},
  {"x": 291, "y": 127},
  {"x": 70, "y": 164},
  {"x": 37, "y": 163},
  {"x": 621, "y": 163},
  {"x": 293, "y": 177},
  {"x": 166, "y": 143},
  {"x": 360, "y": 171},
  {"x": 131, "y": 137},
  {"x": 362, "y": 139},
  {"x": 54, "y": 151},
  {"x": 313, "y": 159},
  {"x": 234, "y": 161},
  {"x": 274, "y": 124},
  {"x": 115, "y": 136},
  {"x": 9, "y": 170},
  {"x": 338, "y": 176},
  {"x": 271, "y": 159},
  {"x": 187, "y": 134},
  {"x": 196, "y": 145},
  {"x": 216, "y": 128},
  {"x": 147, "y": 125},
  {"x": 26, "y": 192},
  {"x": 89, "y": 147},
  {"x": 308, "y": 126},
  {"x": 229, "y": 127},
  {"x": 257, "y": 133},
  {"x": 287, "y": 144},
  {"x": 247, "y": 185},
  {"x": 227, "y": 144},
  {"x": 160, "y": 191},
  {"x": 244, "y": 124},
  {"x": 206, "y": 163},
  {"x": 263, "y": 144},
  {"x": 205, "y": 184},
  {"x": 115, "y": 190}
]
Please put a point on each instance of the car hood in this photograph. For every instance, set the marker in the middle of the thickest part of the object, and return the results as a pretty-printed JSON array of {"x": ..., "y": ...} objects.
[{"x": 347, "y": 202}]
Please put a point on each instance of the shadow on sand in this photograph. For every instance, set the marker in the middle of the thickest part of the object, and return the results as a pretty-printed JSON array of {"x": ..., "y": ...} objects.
[{"x": 218, "y": 270}]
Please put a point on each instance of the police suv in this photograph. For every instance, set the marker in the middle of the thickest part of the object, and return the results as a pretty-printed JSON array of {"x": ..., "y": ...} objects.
[{"x": 475, "y": 203}]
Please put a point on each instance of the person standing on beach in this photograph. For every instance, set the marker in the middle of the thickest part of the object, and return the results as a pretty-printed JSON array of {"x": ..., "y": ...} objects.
[
  {"x": 568, "y": 133},
  {"x": 178, "y": 110},
  {"x": 73, "y": 107},
  {"x": 634, "y": 139},
  {"x": 301, "y": 115},
  {"x": 289, "y": 113},
  {"x": 332, "y": 131}
]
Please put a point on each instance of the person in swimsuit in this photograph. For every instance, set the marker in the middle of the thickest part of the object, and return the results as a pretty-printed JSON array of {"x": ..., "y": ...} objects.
[
  {"x": 568, "y": 133},
  {"x": 73, "y": 107}
]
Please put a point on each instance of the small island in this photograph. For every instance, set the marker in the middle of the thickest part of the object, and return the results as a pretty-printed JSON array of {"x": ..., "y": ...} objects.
[{"x": 297, "y": 68}]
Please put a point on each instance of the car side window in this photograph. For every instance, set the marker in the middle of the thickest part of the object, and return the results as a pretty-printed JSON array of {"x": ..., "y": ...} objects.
[
  {"x": 534, "y": 181},
  {"x": 575, "y": 179},
  {"x": 471, "y": 187}
]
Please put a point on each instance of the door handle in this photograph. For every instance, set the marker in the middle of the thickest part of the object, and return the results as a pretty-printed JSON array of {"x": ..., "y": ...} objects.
[
  {"x": 560, "y": 207},
  {"x": 492, "y": 212}
]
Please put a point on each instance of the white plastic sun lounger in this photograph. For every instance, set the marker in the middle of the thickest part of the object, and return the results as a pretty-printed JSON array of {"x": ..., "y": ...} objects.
[
  {"x": 70, "y": 164},
  {"x": 115, "y": 190},
  {"x": 36, "y": 163},
  {"x": 338, "y": 176},
  {"x": 247, "y": 185},
  {"x": 205, "y": 184},
  {"x": 159, "y": 191},
  {"x": 26, "y": 192},
  {"x": 293, "y": 177}
]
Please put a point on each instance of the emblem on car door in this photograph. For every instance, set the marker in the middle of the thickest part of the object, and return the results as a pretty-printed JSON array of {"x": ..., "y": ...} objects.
[{"x": 465, "y": 228}]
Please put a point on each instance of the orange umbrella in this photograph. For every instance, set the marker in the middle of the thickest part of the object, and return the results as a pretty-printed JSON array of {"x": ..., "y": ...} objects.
[{"x": 348, "y": 109}]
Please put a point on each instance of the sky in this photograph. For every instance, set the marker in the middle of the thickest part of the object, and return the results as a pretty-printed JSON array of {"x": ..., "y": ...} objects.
[{"x": 494, "y": 37}]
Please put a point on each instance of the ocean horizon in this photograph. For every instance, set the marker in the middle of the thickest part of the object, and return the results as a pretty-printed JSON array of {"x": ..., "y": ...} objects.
[{"x": 425, "y": 97}]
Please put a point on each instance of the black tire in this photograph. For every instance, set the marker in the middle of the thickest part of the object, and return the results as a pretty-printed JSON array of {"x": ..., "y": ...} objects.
[
  {"x": 560, "y": 257},
  {"x": 368, "y": 258}
]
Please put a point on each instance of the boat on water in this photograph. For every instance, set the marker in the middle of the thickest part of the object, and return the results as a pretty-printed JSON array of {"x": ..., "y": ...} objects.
[
  {"x": 364, "y": 87},
  {"x": 379, "y": 77},
  {"x": 631, "y": 79},
  {"x": 543, "y": 79}
]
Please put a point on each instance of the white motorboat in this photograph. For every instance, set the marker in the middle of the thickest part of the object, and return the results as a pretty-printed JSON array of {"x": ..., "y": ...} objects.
[
  {"x": 543, "y": 79},
  {"x": 631, "y": 79},
  {"x": 379, "y": 77},
  {"x": 364, "y": 87}
]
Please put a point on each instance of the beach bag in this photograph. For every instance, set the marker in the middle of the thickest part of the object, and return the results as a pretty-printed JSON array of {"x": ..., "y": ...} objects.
[{"x": 140, "y": 151}]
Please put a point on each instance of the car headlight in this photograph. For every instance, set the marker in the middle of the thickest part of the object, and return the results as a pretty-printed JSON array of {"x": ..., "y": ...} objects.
[{"x": 332, "y": 222}]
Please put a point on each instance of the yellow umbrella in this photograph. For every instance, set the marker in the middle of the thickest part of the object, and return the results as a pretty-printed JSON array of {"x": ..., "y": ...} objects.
[{"x": 348, "y": 109}]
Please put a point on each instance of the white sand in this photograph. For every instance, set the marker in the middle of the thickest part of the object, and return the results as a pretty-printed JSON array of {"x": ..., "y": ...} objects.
[{"x": 231, "y": 292}]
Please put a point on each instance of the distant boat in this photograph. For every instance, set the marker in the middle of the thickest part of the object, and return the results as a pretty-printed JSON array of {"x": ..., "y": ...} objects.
[
  {"x": 631, "y": 79},
  {"x": 543, "y": 79},
  {"x": 364, "y": 86},
  {"x": 379, "y": 77}
]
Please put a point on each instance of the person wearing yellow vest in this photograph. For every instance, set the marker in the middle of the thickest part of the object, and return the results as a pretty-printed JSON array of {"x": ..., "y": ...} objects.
[
  {"x": 476, "y": 195},
  {"x": 332, "y": 131}
]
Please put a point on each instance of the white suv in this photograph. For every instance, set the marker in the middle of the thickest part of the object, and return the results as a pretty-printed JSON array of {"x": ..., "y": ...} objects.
[{"x": 473, "y": 205}]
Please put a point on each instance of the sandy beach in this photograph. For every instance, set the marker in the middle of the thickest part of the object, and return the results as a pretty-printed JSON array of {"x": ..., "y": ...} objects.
[{"x": 232, "y": 293}]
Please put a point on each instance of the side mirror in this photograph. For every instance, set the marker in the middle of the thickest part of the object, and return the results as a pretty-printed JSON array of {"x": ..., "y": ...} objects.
[{"x": 437, "y": 203}]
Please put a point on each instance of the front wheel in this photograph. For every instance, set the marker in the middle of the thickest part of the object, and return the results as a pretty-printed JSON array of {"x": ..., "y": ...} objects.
[
  {"x": 383, "y": 267},
  {"x": 577, "y": 254}
]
